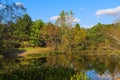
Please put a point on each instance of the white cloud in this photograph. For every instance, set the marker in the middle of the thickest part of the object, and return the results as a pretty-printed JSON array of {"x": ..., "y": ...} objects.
[
  {"x": 76, "y": 20},
  {"x": 110, "y": 11},
  {"x": 105, "y": 76},
  {"x": 87, "y": 26},
  {"x": 19, "y": 4},
  {"x": 54, "y": 17},
  {"x": 1, "y": 5}
]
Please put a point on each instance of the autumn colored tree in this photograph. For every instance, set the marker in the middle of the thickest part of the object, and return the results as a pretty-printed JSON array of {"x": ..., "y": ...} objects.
[
  {"x": 79, "y": 36},
  {"x": 51, "y": 35},
  {"x": 65, "y": 21}
]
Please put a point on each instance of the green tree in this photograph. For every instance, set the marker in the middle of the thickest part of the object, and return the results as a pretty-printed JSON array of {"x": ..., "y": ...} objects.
[
  {"x": 9, "y": 40},
  {"x": 22, "y": 29},
  {"x": 35, "y": 33},
  {"x": 79, "y": 36},
  {"x": 77, "y": 26},
  {"x": 9, "y": 13},
  {"x": 97, "y": 36},
  {"x": 65, "y": 21},
  {"x": 1, "y": 35}
]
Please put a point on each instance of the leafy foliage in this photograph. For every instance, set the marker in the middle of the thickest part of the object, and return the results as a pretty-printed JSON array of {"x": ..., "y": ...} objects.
[
  {"x": 10, "y": 11},
  {"x": 51, "y": 35},
  {"x": 80, "y": 76},
  {"x": 39, "y": 73},
  {"x": 35, "y": 33}
]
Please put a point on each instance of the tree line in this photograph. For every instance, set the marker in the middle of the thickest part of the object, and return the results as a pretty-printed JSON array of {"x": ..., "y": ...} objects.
[{"x": 19, "y": 30}]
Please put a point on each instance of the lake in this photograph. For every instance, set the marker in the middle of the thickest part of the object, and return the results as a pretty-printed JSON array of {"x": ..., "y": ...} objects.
[
  {"x": 97, "y": 67},
  {"x": 57, "y": 66}
]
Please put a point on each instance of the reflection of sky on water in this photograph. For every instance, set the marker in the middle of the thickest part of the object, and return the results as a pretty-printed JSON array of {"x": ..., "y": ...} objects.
[{"x": 106, "y": 76}]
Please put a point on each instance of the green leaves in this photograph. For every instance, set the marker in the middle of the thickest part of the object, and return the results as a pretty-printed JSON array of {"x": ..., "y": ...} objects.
[
  {"x": 23, "y": 26},
  {"x": 35, "y": 33},
  {"x": 38, "y": 73},
  {"x": 10, "y": 12},
  {"x": 80, "y": 76}
]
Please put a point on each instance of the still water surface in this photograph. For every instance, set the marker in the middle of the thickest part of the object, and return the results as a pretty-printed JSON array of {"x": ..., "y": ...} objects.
[{"x": 97, "y": 67}]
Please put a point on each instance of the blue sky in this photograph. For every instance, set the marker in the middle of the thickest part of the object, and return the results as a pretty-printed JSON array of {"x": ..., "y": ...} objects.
[{"x": 89, "y": 12}]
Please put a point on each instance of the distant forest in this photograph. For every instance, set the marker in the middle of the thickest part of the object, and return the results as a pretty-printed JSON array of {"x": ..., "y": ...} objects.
[
  {"x": 19, "y": 31},
  {"x": 62, "y": 35}
]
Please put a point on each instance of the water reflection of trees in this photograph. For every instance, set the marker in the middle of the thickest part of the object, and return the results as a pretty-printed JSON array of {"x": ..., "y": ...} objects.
[{"x": 99, "y": 63}]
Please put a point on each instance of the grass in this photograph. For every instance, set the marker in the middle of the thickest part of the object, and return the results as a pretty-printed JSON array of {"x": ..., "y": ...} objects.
[
  {"x": 38, "y": 50},
  {"x": 48, "y": 52}
]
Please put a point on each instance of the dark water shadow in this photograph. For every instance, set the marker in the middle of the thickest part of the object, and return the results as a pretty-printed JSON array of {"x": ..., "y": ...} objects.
[{"x": 11, "y": 53}]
